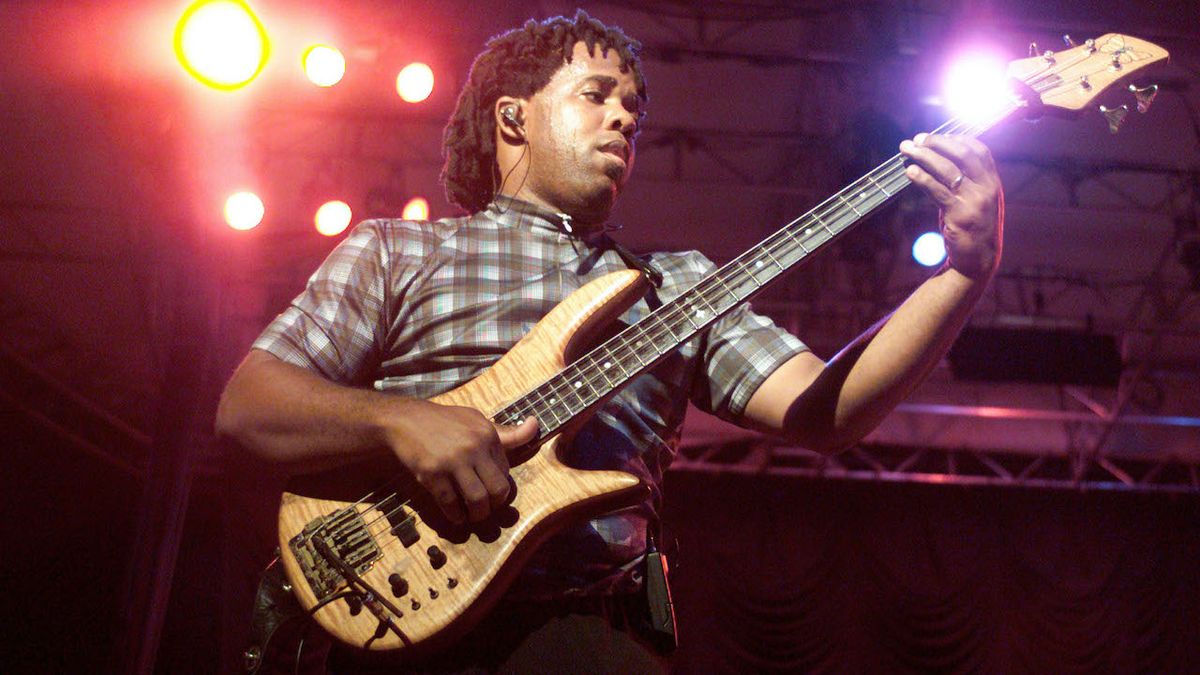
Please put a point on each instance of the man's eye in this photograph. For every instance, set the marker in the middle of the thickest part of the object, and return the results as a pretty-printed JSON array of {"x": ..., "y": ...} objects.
[{"x": 594, "y": 96}]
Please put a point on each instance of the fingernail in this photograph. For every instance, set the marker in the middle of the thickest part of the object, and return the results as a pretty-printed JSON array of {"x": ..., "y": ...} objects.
[
  {"x": 920, "y": 138},
  {"x": 906, "y": 146}
]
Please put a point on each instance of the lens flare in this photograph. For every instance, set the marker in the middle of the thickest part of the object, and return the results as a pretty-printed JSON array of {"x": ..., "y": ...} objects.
[
  {"x": 333, "y": 218},
  {"x": 244, "y": 210},
  {"x": 221, "y": 43},
  {"x": 976, "y": 88},
  {"x": 417, "y": 208},
  {"x": 415, "y": 82},
  {"x": 929, "y": 249},
  {"x": 324, "y": 65}
]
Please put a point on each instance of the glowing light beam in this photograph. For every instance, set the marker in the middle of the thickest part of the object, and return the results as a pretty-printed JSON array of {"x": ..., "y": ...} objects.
[
  {"x": 976, "y": 87},
  {"x": 333, "y": 218},
  {"x": 221, "y": 43},
  {"x": 417, "y": 208},
  {"x": 415, "y": 82},
  {"x": 324, "y": 65},
  {"x": 929, "y": 249},
  {"x": 244, "y": 210}
]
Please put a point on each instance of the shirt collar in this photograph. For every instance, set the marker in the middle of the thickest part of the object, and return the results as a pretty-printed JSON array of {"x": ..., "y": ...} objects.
[{"x": 513, "y": 212}]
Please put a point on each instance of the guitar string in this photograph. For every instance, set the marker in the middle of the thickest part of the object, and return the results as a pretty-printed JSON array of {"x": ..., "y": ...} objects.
[
  {"x": 681, "y": 310},
  {"x": 667, "y": 320},
  {"x": 775, "y": 243},
  {"x": 772, "y": 245}
]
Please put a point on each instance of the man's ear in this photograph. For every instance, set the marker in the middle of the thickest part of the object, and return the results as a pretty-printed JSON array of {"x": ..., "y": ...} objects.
[{"x": 510, "y": 118}]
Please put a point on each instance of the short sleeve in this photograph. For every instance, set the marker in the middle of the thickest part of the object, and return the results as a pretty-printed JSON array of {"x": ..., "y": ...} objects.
[
  {"x": 337, "y": 325},
  {"x": 737, "y": 354}
]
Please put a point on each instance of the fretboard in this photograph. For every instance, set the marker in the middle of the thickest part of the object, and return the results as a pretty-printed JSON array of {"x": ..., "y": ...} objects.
[{"x": 602, "y": 371}]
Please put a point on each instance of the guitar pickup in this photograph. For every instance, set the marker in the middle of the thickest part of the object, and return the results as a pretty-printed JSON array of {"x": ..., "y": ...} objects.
[{"x": 404, "y": 526}]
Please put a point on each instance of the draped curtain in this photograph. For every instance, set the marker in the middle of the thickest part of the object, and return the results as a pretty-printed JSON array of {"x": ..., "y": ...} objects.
[{"x": 782, "y": 575}]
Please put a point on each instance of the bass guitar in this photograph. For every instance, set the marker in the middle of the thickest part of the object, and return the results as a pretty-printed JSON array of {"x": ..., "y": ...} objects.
[{"x": 384, "y": 570}]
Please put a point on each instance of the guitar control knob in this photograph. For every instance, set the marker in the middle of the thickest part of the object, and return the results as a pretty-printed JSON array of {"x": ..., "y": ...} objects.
[
  {"x": 437, "y": 557},
  {"x": 355, "y": 604},
  {"x": 399, "y": 585}
]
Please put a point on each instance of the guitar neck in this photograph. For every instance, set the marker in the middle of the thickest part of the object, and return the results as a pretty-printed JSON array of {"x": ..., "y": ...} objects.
[{"x": 605, "y": 369}]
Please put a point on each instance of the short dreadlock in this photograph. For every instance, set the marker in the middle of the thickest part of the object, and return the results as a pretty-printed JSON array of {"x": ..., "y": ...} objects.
[{"x": 518, "y": 63}]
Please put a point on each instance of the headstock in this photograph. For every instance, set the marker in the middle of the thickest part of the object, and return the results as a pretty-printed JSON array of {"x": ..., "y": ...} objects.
[{"x": 1071, "y": 79}]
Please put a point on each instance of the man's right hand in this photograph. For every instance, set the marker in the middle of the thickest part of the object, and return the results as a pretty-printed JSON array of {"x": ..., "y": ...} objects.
[{"x": 457, "y": 454}]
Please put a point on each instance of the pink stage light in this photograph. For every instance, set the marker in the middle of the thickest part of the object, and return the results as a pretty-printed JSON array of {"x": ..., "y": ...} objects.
[
  {"x": 976, "y": 87},
  {"x": 417, "y": 208},
  {"x": 244, "y": 210},
  {"x": 333, "y": 218},
  {"x": 415, "y": 82}
]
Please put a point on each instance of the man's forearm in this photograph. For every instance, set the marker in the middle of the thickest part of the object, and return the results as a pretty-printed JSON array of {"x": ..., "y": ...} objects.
[
  {"x": 885, "y": 364},
  {"x": 286, "y": 414}
]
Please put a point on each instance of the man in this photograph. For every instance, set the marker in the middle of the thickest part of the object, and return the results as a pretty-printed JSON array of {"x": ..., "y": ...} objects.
[{"x": 538, "y": 149}]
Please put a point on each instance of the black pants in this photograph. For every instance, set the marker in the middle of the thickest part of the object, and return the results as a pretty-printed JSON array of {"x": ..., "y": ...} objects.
[{"x": 592, "y": 635}]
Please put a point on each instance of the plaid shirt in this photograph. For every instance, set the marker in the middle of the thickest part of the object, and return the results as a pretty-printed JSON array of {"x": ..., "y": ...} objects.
[{"x": 418, "y": 308}]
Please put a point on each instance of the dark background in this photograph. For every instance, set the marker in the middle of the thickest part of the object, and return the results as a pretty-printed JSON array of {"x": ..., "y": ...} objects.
[{"x": 1002, "y": 526}]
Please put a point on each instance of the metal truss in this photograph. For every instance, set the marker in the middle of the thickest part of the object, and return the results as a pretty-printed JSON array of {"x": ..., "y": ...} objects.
[{"x": 934, "y": 466}]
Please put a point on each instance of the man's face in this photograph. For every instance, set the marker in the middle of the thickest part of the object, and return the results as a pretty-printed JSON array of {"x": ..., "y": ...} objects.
[{"x": 580, "y": 129}]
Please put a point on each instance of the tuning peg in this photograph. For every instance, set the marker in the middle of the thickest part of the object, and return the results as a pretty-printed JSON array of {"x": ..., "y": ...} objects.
[
  {"x": 1033, "y": 50},
  {"x": 1115, "y": 117},
  {"x": 1068, "y": 41},
  {"x": 1144, "y": 96}
]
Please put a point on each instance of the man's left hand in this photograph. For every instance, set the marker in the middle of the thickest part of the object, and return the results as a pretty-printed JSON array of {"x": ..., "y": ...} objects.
[{"x": 959, "y": 174}]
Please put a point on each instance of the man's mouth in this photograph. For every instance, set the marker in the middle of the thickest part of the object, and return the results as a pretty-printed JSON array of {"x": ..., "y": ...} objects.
[{"x": 618, "y": 149}]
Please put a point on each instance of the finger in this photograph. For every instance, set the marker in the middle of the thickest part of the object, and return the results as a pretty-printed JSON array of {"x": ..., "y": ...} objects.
[
  {"x": 935, "y": 164},
  {"x": 932, "y": 186},
  {"x": 474, "y": 494},
  {"x": 495, "y": 480},
  {"x": 970, "y": 155},
  {"x": 446, "y": 497},
  {"x": 516, "y": 436}
]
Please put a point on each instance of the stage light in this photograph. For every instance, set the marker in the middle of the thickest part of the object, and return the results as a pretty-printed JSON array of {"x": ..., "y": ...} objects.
[
  {"x": 417, "y": 208},
  {"x": 929, "y": 249},
  {"x": 415, "y": 82},
  {"x": 324, "y": 65},
  {"x": 333, "y": 218},
  {"x": 221, "y": 43},
  {"x": 243, "y": 210},
  {"x": 976, "y": 88}
]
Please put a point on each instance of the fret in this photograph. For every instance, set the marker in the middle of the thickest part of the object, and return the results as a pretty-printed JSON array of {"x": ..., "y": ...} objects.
[
  {"x": 822, "y": 223},
  {"x": 767, "y": 252},
  {"x": 663, "y": 322},
  {"x": 550, "y": 403},
  {"x": 613, "y": 360},
  {"x": 602, "y": 373},
  {"x": 752, "y": 277},
  {"x": 847, "y": 203},
  {"x": 876, "y": 183},
  {"x": 685, "y": 311},
  {"x": 573, "y": 390},
  {"x": 721, "y": 281},
  {"x": 798, "y": 241},
  {"x": 636, "y": 355}
]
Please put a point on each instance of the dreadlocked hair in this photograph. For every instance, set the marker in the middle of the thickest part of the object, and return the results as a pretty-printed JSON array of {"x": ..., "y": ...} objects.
[{"x": 518, "y": 63}]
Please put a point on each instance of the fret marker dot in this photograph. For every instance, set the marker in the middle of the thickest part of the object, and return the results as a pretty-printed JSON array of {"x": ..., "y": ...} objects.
[
  {"x": 607, "y": 364},
  {"x": 552, "y": 399},
  {"x": 862, "y": 196},
  {"x": 758, "y": 263},
  {"x": 700, "y": 313},
  {"x": 578, "y": 384}
]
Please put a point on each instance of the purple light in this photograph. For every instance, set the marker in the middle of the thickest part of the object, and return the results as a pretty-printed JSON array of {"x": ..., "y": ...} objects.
[
  {"x": 929, "y": 249},
  {"x": 976, "y": 87}
]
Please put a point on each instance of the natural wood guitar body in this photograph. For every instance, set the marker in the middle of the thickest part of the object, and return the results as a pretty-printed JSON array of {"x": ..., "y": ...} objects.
[{"x": 442, "y": 603}]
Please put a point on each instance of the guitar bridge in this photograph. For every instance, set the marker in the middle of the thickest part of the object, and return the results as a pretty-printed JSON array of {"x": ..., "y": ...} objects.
[{"x": 346, "y": 534}]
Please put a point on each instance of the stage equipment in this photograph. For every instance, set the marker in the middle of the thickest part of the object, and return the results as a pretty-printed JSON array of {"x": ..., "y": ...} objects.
[
  {"x": 244, "y": 210},
  {"x": 415, "y": 82},
  {"x": 221, "y": 43},
  {"x": 333, "y": 218}
]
